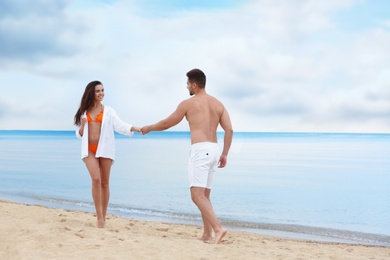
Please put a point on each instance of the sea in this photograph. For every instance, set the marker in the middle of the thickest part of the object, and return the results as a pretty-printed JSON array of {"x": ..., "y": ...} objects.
[{"x": 329, "y": 187}]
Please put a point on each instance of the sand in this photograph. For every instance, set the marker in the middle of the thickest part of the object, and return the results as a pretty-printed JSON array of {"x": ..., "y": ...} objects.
[{"x": 37, "y": 232}]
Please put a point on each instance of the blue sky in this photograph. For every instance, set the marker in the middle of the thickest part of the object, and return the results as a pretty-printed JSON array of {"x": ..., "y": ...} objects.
[{"x": 285, "y": 66}]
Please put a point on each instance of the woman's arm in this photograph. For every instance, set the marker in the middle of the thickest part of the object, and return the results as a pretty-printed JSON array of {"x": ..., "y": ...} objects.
[{"x": 80, "y": 132}]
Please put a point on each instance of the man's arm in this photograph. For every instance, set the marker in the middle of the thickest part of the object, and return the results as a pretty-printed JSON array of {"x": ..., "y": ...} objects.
[
  {"x": 168, "y": 122},
  {"x": 228, "y": 137}
]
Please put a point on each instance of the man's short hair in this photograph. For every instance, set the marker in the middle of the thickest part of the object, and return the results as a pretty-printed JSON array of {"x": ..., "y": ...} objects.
[{"x": 197, "y": 76}]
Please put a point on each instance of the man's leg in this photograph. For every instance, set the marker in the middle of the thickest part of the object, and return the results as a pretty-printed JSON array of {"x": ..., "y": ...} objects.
[
  {"x": 207, "y": 228},
  {"x": 198, "y": 196}
]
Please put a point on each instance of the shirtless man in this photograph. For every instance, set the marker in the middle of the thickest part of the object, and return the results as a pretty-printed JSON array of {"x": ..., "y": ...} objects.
[{"x": 204, "y": 113}]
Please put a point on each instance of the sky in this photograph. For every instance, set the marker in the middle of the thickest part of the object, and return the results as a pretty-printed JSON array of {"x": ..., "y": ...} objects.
[{"x": 277, "y": 66}]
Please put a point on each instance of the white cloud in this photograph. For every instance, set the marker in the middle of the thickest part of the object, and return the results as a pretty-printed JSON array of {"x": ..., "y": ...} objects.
[
  {"x": 37, "y": 30},
  {"x": 277, "y": 65}
]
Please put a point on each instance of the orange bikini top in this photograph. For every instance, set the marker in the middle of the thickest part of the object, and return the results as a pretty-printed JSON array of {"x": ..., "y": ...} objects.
[{"x": 99, "y": 117}]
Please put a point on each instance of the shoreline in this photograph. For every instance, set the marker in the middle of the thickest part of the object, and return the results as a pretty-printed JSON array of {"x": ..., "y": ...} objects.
[
  {"x": 34, "y": 231},
  {"x": 293, "y": 232}
]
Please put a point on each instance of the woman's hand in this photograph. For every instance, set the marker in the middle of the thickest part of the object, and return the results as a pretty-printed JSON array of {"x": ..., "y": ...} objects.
[
  {"x": 83, "y": 121},
  {"x": 135, "y": 129}
]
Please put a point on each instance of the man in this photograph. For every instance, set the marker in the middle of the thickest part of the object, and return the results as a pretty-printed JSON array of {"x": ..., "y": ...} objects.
[{"x": 204, "y": 113}]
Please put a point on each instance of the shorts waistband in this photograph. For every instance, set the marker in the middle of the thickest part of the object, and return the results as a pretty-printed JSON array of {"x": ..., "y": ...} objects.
[{"x": 203, "y": 144}]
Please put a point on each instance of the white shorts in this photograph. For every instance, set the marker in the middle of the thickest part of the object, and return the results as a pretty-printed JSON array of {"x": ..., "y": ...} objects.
[{"x": 202, "y": 164}]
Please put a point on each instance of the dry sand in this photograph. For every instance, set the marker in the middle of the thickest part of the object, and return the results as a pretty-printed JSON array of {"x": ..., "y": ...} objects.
[{"x": 36, "y": 232}]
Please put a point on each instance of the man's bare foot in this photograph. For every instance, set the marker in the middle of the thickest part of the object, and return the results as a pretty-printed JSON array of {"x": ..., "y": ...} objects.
[
  {"x": 205, "y": 238},
  {"x": 219, "y": 236}
]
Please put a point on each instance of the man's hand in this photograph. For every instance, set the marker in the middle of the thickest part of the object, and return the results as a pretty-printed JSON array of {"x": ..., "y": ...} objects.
[
  {"x": 222, "y": 161},
  {"x": 145, "y": 130}
]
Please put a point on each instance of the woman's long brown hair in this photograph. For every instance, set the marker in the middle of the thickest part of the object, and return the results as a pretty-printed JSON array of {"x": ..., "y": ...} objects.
[{"x": 86, "y": 100}]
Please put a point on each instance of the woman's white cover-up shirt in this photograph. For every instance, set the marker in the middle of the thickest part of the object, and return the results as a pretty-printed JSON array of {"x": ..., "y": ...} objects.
[{"x": 106, "y": 146}]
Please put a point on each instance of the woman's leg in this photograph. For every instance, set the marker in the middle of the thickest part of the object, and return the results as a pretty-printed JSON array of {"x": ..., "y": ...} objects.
[
  {"x": 105, "y": 169},
  {"x": 92, "y": 164}
]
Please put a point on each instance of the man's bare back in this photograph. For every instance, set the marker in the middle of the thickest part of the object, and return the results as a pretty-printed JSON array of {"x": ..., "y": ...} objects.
[{"x": 203, "y": 113}]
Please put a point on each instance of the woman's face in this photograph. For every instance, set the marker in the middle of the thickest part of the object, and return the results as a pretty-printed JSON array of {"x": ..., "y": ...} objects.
[{"x": 99, "y": 92}]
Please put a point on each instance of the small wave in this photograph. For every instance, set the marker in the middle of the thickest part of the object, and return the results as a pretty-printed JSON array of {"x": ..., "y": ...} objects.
[
  {"x": 153, "y": 214},
  {"x": 312, "y": 233}
]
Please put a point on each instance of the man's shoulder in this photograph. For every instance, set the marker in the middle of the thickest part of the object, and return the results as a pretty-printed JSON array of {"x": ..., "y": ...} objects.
[
  {"x": 185, "y": 102},
  {"x": 184, "y": 105},
  {"x": 214, "y": 100}
]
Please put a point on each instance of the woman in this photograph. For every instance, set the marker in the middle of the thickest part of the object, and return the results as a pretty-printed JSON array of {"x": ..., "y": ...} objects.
[{"x": 97, "y": 125}]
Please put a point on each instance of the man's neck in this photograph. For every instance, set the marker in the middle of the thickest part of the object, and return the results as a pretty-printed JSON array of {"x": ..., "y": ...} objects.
[{"x": 200, "y": 91}]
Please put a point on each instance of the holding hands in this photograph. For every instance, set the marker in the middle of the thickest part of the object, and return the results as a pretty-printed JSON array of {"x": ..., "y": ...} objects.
[
  {"x": 135, "y": 129},
  {"x": 145, "y": 130}
]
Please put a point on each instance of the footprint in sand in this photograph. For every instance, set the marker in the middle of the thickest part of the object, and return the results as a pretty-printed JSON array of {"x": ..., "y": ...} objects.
[
  {"x": 79, "y": 233},
  {"x": 89, "y": 225},
  {"x": 65, "y": 229}
]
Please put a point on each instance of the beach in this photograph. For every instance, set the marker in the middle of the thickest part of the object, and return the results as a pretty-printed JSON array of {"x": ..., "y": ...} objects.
[{"x": 38, "y": 232}]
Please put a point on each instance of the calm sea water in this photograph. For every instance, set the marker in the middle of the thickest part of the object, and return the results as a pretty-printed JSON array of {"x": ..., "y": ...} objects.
[{"x": 329, "y": 187}]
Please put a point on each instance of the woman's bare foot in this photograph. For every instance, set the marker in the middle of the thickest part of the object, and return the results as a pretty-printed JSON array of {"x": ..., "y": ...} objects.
[
  {"x": 101, "y": 223},
  {"x": 219, "y": 236}
]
